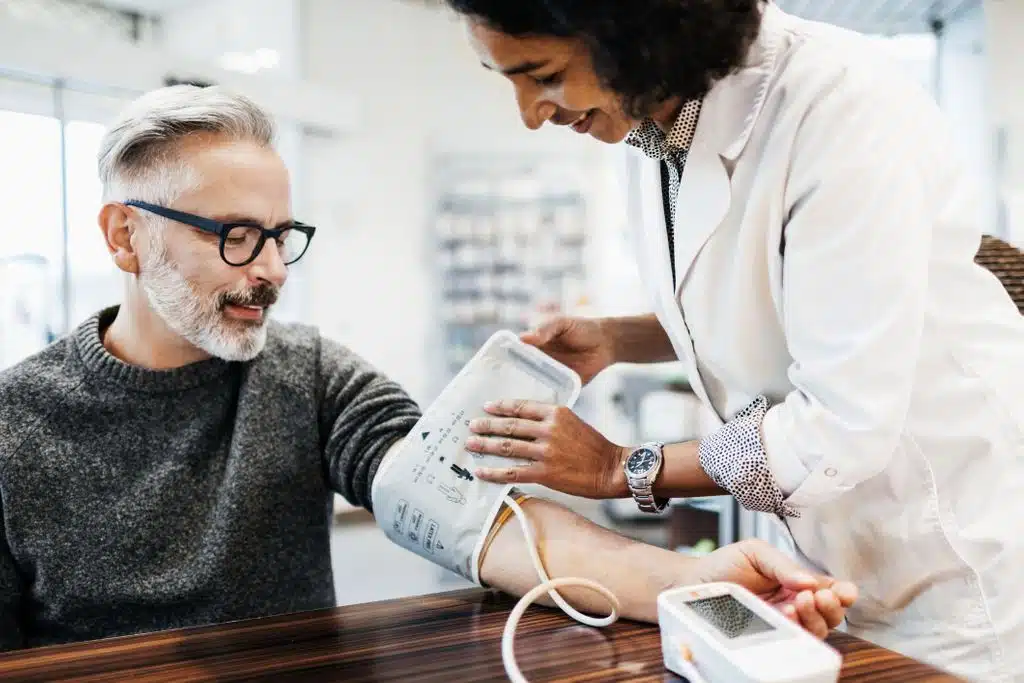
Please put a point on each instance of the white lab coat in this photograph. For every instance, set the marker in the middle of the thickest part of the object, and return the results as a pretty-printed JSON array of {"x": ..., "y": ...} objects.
[{"x": 895, "y": 364}]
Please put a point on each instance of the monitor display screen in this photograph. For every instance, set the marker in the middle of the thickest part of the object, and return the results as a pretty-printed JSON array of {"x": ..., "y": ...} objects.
[{"x": 730, "y": 616}]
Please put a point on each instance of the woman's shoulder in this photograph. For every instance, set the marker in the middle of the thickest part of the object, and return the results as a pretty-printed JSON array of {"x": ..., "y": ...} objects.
[
  {"x": 828, "y": 82},
  {"x": 820, "y": 58}
]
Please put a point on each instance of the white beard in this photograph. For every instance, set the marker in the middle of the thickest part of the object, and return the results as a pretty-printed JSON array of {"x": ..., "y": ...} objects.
[{"x": 197, "y": 319}]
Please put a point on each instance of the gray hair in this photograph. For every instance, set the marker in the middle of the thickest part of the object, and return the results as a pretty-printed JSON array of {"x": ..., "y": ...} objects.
[{"x": 137, "y": 157}]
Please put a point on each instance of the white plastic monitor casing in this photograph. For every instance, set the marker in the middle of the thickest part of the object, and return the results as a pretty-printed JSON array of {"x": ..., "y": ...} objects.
[{"x": 783, "y": 653}]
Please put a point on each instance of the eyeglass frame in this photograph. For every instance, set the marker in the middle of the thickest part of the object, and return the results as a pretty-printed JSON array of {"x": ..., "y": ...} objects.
[{"x": 222, "y": 229}]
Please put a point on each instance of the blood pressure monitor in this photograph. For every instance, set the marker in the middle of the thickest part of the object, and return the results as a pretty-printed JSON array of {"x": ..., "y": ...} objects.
[
  {"x": 427, "y": 500},
  {"x": 732, "y": 636}
]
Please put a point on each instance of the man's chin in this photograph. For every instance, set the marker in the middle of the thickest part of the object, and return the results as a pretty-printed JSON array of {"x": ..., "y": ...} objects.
[
  {"x": 237, "y": 343},
  {"x": 236, "y": 354}
]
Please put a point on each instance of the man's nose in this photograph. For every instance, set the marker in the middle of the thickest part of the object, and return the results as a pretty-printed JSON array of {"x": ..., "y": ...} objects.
[{"x": 269, "y": 265}]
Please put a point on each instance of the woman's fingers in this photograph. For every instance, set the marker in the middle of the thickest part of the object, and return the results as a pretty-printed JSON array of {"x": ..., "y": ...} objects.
[
  {"x": 509, "y": 428},
  {"x": 523, "y": 410},
  {"x": 506, "y": 448},
  {"x": 524, "y": 474},
  {"x": 547, "y": 332},
  {"x": 513, "y": 430}
]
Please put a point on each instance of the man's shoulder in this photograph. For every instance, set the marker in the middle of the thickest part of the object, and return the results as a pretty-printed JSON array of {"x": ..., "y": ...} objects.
[
  {"x": 292, "y": 336},
  {"x": 300, "y": 341},
  {"x": 30, "y": 388},
  {"x": 296, "y": 350},
  {"x": 45, "y": 367},
  {"x": 301, "y": 357}
]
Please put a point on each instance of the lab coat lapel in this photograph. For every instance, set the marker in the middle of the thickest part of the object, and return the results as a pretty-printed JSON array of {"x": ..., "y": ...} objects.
[
  {"x": 728, "y": 115},
  {"x": 703, "y": 198},
  {"x": 652, "y": 243},
  {"x": 655, "y": 237}
]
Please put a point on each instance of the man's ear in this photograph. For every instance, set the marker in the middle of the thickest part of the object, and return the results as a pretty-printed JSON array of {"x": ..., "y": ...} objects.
[{"x": 118, "y": 229}]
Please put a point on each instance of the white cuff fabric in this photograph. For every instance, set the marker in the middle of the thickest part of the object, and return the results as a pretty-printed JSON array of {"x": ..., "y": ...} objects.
[
  {"x": 735, "y": 459},
  {"x": 790, "y": 471},
  {"x": 805, "y": 475}
]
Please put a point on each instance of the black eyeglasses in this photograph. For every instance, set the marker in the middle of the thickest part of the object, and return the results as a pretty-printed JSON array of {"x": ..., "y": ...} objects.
[{"x": 241, "y": 243}]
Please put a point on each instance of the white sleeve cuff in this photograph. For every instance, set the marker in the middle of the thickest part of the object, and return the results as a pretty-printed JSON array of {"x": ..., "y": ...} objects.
[
  {"x": 790, "y": 472},
  {"x": 806, "y": 482}
]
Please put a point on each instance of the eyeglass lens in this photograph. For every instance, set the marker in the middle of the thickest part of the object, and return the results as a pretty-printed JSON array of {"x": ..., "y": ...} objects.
[{"x": 242, "y": 241}]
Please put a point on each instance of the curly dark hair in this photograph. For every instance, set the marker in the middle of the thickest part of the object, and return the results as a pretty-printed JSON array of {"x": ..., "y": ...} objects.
[{"x": 647, "y": 51}]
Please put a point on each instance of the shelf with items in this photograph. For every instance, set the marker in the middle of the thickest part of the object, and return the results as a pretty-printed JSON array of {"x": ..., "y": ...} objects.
[{"x": 504, "y": 258}]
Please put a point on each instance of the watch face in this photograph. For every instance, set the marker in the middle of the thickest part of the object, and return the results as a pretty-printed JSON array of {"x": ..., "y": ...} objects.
[{"x": 641, "y": 462}]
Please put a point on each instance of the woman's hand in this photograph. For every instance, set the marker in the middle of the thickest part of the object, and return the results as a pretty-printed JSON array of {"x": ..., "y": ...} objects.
[
  {"x": 582, "y": 344},
  {"x": 557, "y": 449},
  {"x": 818, "y": 603}
]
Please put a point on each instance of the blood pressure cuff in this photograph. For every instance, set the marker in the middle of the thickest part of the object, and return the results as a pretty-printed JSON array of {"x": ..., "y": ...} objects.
[{"x": 425, "y": 497}]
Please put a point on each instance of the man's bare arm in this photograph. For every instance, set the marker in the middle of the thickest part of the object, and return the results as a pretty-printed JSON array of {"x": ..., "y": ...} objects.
[{"x": 572, "y": 546}]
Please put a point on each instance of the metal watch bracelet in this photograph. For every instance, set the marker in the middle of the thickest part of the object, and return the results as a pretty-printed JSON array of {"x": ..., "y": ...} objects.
[{"x": 645, "y": 498}]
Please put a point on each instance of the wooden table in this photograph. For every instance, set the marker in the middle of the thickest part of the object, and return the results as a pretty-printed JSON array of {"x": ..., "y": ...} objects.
[{"x": 446, "y": 637}]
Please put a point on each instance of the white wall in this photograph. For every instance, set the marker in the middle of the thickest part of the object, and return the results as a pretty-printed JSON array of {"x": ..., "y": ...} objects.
[
  {"x": 963, "y": 91},
  {"x": 422, "y": 93},
  {"x": 1004, "y": 20},
  {"x": 954, "y": 67},
  {"x": 210, "y": 29},
  {"x": 85, "y": 58}
]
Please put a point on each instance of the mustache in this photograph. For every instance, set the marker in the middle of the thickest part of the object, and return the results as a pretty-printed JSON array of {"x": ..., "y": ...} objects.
[{"x": 265, "y": 296}]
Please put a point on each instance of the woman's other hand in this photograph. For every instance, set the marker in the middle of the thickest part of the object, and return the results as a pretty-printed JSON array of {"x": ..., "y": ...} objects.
[
  {"x": 583, "y": 344},
  {"x": 557, "y": 449}
]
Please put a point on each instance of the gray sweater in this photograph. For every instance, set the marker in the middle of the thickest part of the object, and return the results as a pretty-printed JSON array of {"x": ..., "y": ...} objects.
[{"x": 136, "y": 500}]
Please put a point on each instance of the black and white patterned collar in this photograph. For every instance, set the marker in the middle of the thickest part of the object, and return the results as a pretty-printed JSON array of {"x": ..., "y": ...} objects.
[{"x": 649, "y": 138}]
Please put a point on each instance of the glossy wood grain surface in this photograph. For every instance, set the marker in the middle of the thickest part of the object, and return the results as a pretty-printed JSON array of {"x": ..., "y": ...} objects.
[{"x": 447, "y": 637}]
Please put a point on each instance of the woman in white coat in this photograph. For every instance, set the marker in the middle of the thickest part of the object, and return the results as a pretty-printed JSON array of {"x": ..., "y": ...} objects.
[{"x": 807, "y": 235}]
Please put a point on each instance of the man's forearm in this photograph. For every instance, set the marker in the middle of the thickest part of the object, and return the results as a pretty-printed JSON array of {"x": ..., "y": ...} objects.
[
  {"x": 571, "y": 545},
  {"x": 639, "y": 339}
]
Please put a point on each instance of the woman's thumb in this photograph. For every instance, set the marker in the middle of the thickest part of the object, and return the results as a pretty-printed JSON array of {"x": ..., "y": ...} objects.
[{"x": 546, "y": 332}]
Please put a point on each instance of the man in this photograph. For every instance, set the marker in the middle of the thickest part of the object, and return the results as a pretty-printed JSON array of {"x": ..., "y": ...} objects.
[{"x": 172, "y": 461}]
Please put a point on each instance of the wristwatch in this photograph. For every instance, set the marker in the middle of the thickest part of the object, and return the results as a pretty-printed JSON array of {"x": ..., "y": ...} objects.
[{"x": 642, "y": 468}]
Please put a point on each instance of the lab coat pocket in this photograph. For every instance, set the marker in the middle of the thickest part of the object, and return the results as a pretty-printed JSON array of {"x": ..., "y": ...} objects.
[{"x": 884, "y": 534}]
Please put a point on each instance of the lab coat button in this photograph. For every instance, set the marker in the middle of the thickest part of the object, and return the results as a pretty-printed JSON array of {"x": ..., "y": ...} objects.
[{"x": 831, "y": 472}]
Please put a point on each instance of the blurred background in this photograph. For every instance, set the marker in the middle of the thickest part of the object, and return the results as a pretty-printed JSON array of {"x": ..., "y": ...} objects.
[{"x": 441, "y": 218}]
